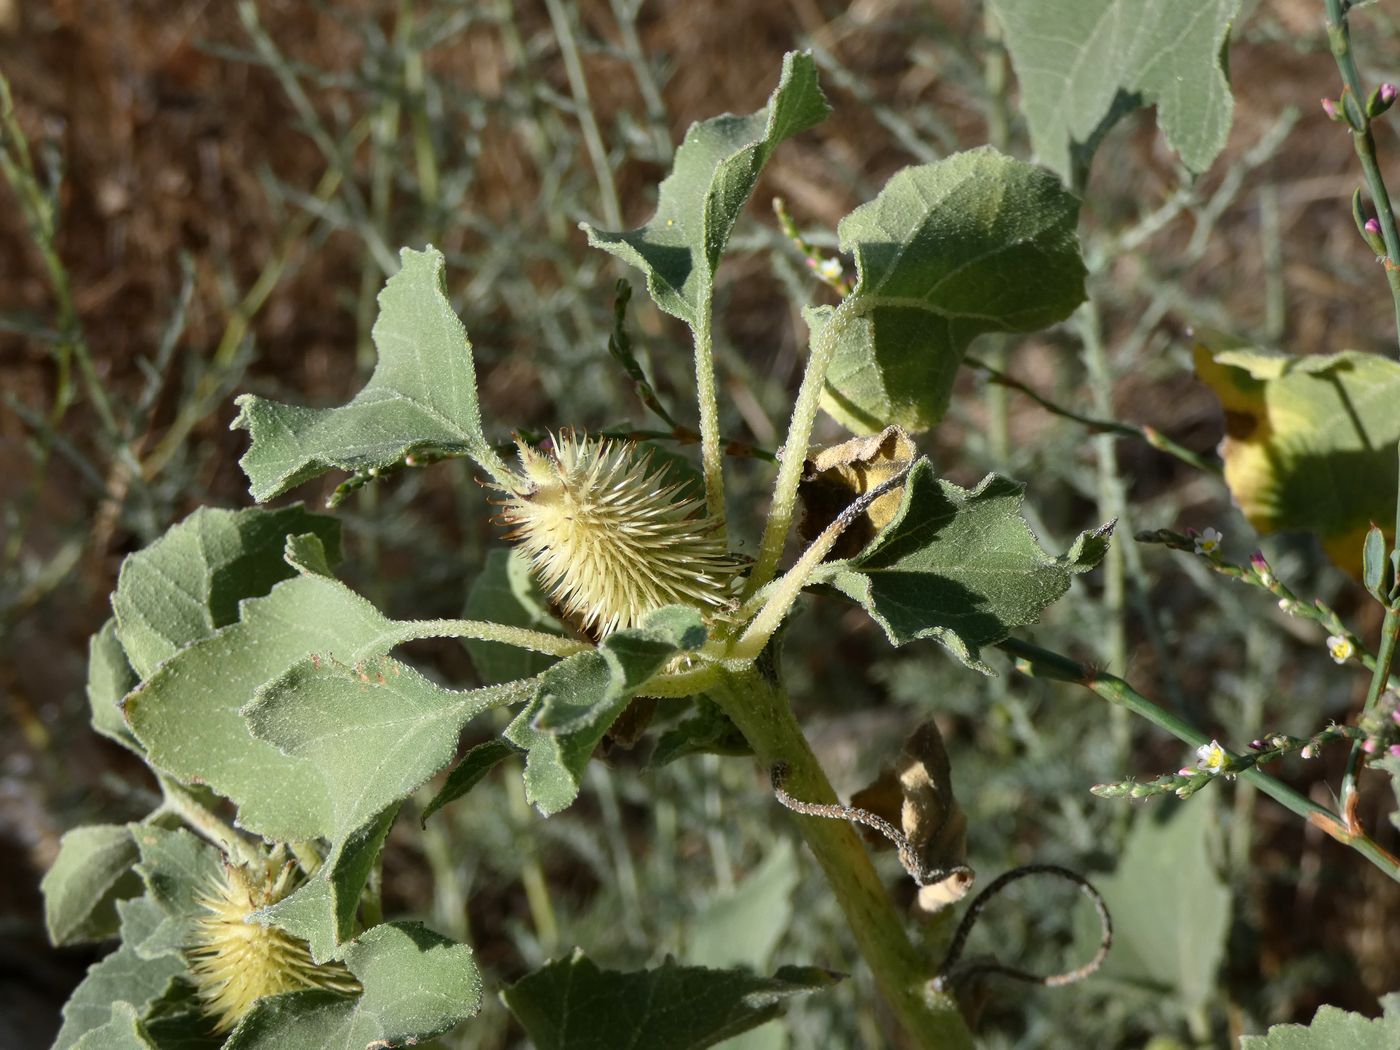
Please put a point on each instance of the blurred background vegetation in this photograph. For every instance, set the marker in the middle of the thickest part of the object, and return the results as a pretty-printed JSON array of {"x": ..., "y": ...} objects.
[{"x": 218, "y": 191}]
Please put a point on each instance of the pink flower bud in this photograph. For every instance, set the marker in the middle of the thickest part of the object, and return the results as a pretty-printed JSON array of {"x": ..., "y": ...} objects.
[
  {"x": 1330, "y": 108},
  {"x": 1388, "y": 93},
  {"x": 1372, "y": 226},
  {"x": 1394, "y": 750}
]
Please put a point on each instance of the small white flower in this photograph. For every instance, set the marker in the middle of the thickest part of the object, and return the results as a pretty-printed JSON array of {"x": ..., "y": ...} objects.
[
  {"x": 1288, "y": 605},
  {"x": 830, "y": 269},
  {"x": 1340, "y": 648},
  {"x": 1208, "y": 542},
  {"x": 1212, "y": 758}
]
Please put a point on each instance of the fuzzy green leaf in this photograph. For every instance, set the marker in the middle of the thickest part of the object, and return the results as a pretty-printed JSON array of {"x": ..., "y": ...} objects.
[
  {"x": 715, "y": 171},
  {"x": 422, "y": 394},
  {"x": 579, "y": 698},
  {"x": 1309, "y": 441},
  {"x": 1083, "y": 64},
  {"x": 960, "y": 566},
  {"x": 110, "y": 677},
  {"x": 121, "y": 977},
  {"x": 417, "y": 984},
  {"x": 90, "y": 874},
  {"x": 178, "y": 868},
  {"x": 1170, "y": 909},
  {"x": 571, "y": 1004},
  {"x": 123, "y": 1032},
  {"x": 1334, "y": 1029},
  {"x": 947, "y": 251},
  {"x": 322, "y": 910},
  {"x": 187, "y": 584},
  {"x": 506, "y": 592}
]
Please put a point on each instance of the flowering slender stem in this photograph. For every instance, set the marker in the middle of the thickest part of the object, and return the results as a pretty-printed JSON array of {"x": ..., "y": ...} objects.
[
  {"x": 759, "y": 707},
  {"x": 794, "y": 453},
  {"x": 1042, "y": 663},
  {"x": 711, "y": 445},
  {"x": 1354, "y": 109}
]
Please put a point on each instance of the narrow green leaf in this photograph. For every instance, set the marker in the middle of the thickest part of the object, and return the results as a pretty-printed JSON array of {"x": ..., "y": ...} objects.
[
  {"x": 469, "y": 772},
  {"x": 110, "y": 677},
  {"x": 579, "y": 698},
  {"x": 712, "y": 177},
  {"x": 422, "y": 394},
  {"x": 1170, "y": 909},
  {"x": 571, "y": 1004},
  {"x": 187, "y": 584},
  {"x": 743, "y": 927},
  {"x": 975, "y": 243},
  {"x": 960, "y": 567},
  {"x": 1334, "y": 1029},
  {"x": 507, "y": 592},
  {"x": 1309, "y": 441},
  {"x": 121, "y": 977},
  {"x": 1374, "y": 565},
  {"x": 90, "y": 874},
  {"x": 1084, "y": 63},
  {"x": 417, "y": 984}
]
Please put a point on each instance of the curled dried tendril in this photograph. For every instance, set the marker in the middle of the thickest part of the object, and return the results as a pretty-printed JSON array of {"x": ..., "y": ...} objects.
[{"x": 950, "y": 973}]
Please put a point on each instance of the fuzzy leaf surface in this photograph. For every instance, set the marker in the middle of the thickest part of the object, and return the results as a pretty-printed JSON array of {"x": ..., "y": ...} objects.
[
  {"x": 187, "y": 584},
  {"x": 417, "y": 984},
  {"x": 177, "y": 867},
  {"x": 122, "y": 977},
  {"x": 422, "y": 394},
  {"x": 110, "y": 677},
  {"x": 1334, "y": 1029},
  {"x": 571, "y": 1004},
  {"x": 123, "y": 1032},
  {"x": 93, "y": 870},
  {"x": 580, "y": 697},
  {"x": 975, "y": 243},
  {"x": 469, "y": 772},
  {"x": 713, "y": 175},
  {"x": 960, "y": 566},
  {"x": 1082, "y": 64},
  {"x": 1309, "y": 441}
]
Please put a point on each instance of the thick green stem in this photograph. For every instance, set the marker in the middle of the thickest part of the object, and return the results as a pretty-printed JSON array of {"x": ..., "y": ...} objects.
[
  {"x": 759, "y": 707},
  {"x": 804, "y": 415},
  {"x": 1042, "y": 663}
]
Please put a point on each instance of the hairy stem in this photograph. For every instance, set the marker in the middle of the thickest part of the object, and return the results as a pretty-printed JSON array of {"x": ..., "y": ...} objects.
[
  {"x": 711, "y": 445},
  {"x": 804, "y": 415},
  {"x": 1043, "y": 663},
  {"x": 176, "y": 799},
  {"x": 759, "y": 707}
]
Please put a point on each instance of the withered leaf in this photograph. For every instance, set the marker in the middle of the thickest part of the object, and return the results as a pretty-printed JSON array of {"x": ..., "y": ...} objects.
[
  {"x": 916, "y": 795},
  {"x": 834, "y": 477}
]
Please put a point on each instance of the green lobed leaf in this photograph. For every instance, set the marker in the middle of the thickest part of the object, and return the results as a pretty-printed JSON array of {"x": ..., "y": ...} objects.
[
  {"x": 960, "y": 566},
  {"x": 187, "y": 584},
  {"x": 580, "y": 697},
  {"x": 110, "y": 677},
  {"x": 571, "y": 1004},
  {"x": 417, "y": 984},
  {"x": 707, "y": 731},
  {"x": 422, "y": 394},
  {"x": 1084, "y": 63},
  {"x": 469, "y": 772},
  {"x": 714, "y": 173},
  {"x": 507, "y": 592},
  {"x": 177, "y": 867},
  {"x": 322, "y": 910},
  {"x": 121, "y": 977},
  {"x": 93, "y": 870},
  {"x": 123, "y": 1032},
  {"x": 374, "y": 732},
  {"x": 1309, "y": 441},
  {"x": 1334, "y": 1029},
  {"x": 974, "y": 243},
  {"x": 1170, "y": 908}
]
